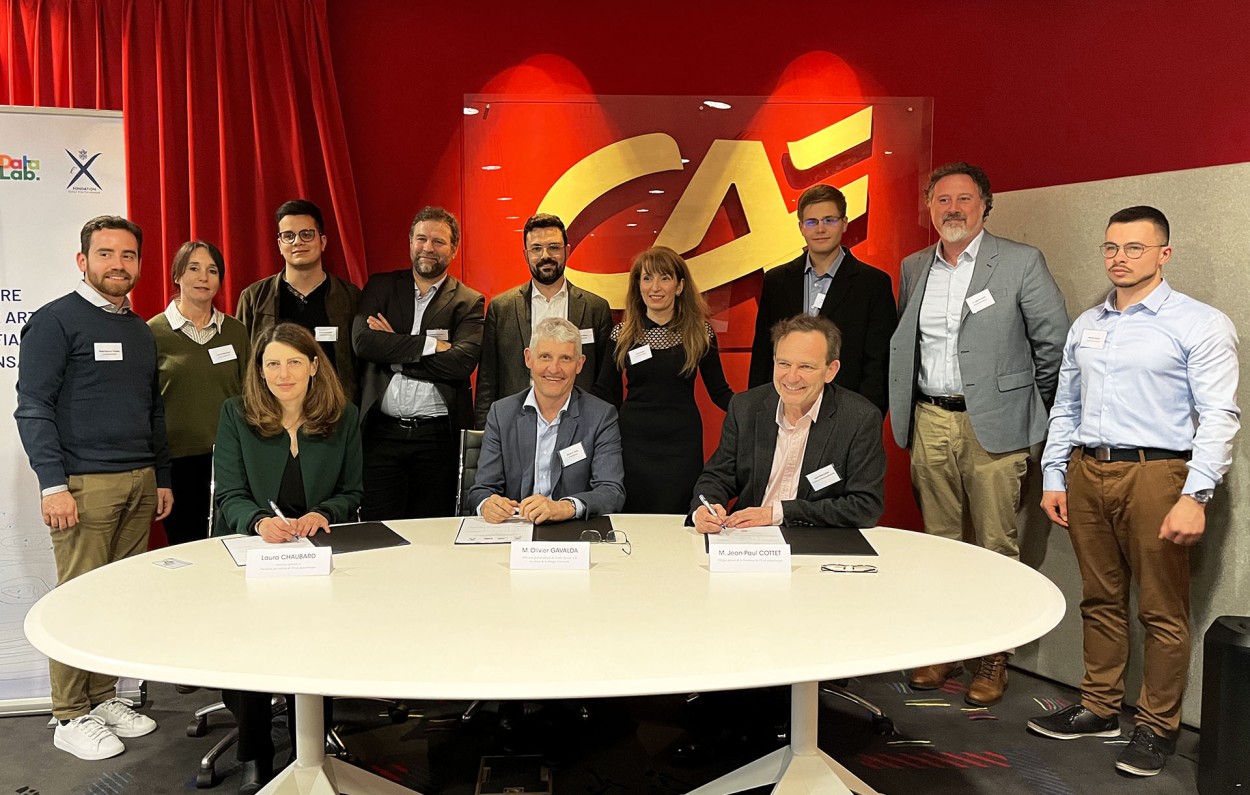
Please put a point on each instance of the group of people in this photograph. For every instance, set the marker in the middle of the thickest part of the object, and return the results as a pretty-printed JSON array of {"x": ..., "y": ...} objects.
[{"x": 321, "y": 402}]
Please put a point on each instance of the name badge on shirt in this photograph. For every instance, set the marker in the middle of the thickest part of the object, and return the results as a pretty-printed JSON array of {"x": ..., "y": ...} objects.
[
  {"x": 981, "y": 300},
  {"x": 818, "y": 301},
  {"x": 825, "y": 476},
  {"x": 108, "y": 351},
  {"x": 572, "y": 454},
  {"x": 1094, "y": 338},
  {"x": 588, "y": 336},
  {"x": 326, "y": 333},
  {"x": 224, "y": 353},
  {"x": 640, "y": 354},
  {"x": 437, "y": 333}
]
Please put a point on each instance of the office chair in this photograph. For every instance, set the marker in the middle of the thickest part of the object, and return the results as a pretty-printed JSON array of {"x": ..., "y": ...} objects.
[
  {"x": 881, "y": 723},
  {"x": 470, "y": 450}
]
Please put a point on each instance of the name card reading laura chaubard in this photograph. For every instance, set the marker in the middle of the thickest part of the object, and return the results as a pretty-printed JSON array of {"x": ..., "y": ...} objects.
[{"x": 298, "y": 562}]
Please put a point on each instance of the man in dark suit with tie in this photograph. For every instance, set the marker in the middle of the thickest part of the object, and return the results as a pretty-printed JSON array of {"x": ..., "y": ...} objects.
[
  {"x": 418, "y": 332},
  {"x": 513, "y": 315},
  {"x": 798, "y": 451},
  {"x": 973, "y": 367},
  {"x": 827, "y": 280},
  {"x": 551, "y": 452}
]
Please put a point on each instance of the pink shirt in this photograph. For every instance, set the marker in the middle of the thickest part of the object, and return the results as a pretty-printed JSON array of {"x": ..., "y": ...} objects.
[{"x": 783, "y": 480}]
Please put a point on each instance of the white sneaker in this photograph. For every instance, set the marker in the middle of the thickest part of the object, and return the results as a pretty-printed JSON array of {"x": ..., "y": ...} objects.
[
  {"x": 87, "y": 737},
  {"x": 122, "y": 720}
]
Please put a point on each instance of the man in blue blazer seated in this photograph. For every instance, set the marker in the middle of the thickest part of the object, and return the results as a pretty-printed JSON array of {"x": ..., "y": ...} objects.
[
  {"x": 551, "y": 453},
  {"x": 798, "y": 451}
]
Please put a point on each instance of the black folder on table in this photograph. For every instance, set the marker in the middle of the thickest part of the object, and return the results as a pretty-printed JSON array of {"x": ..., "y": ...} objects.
[
  {"x": 572, "y": 529},
  {"x": 823, "y": 541},
  {"x": 357, "y": 537}
]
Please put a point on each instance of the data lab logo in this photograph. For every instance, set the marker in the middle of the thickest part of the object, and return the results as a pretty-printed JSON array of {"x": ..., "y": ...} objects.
[
  {"x": 18, "y": 168},
  {"x": 81, "y": 179}
]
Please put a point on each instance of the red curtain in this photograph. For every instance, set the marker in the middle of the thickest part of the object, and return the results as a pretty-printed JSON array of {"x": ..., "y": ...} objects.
[{"x": 230, "y": 109}]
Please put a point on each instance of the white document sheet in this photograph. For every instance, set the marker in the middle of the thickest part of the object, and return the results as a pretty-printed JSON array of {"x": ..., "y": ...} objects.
[
  {"x": 476, "y": 530},
  {"x": 238, "y": 546},
  {"x": 748, "y": 535}
]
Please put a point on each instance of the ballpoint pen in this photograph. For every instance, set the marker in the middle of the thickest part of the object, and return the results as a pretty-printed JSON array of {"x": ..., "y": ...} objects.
[
  {"x": 708, "y": 505},
  {"x": 274, "y": 507}
]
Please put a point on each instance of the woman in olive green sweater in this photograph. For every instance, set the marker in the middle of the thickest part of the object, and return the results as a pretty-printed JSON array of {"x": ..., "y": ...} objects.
[{"x": 201, "y": 355}]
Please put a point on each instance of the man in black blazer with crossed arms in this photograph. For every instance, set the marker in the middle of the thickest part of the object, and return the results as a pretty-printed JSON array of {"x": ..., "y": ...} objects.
[
  {"x": 418, "y": 332},
  {"x": 798, "y": 451},
  {"x": 827, "y": 280}
]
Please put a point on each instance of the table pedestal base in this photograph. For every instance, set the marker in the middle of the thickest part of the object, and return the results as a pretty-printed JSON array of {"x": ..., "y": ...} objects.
[
  {"x": 799, "y": 769},
  {"x": 333, "y": 777},
  {"x": 314, "y": 774}
]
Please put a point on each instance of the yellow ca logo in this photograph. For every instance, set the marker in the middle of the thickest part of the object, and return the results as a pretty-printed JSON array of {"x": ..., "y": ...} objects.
[{"x": 774, "y": 237}]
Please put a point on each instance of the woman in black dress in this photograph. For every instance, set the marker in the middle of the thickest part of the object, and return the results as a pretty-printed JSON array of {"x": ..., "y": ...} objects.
[{"x": 663, "y": 339}]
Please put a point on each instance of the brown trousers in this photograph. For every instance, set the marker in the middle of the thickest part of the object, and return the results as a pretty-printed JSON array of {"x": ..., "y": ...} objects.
[
  {"x": 1115, "y": 512},
  {"x": 115, "y": 512}
]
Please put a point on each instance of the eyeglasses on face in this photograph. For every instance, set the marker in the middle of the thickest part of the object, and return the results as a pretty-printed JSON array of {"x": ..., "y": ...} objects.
[
  {"x": 1131, "y": 250},
  {"x": 551, "y": 249},
  {"x": 828, "y": 220},
  {"x": 306, "y": 235}
]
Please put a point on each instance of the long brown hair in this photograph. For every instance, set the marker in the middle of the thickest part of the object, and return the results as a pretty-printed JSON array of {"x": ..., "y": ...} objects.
[
  {"x": 689, "y": 309},
  {"x": 324, "y": 402}
]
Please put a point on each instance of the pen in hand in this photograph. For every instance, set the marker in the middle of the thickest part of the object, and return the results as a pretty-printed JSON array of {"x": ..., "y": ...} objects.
[
  {"x": 708, "y": 505},
  {"x": 273, "y": 506}
]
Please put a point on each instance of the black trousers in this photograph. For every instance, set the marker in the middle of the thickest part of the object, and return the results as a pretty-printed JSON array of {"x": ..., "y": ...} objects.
[
  {"x": 409, "y": 472},
  {"x": 254, "y": 718},
  {"x": 190, "y": 477}
]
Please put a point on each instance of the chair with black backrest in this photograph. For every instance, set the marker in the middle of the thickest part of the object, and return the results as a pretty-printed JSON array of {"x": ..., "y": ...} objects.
[{"x": 470, "y": 450}]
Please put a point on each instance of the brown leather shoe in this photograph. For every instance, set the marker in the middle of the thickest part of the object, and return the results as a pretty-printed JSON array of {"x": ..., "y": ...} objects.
[
  {"x": 931, "y": 677},
  {"x": 990, "y": 681}
]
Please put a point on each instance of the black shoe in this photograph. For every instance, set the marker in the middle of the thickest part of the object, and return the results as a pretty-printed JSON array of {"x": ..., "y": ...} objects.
[
  {"x": 255, "y": 775},
  {"x": 1146, "y": 753},
  {"x": 1073, "y": 722},
  {"x": 185, "y": 689}
]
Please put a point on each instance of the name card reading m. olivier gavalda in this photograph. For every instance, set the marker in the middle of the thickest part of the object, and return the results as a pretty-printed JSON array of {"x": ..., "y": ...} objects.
[
  {"x": 284, "y": 561},
  {"x": 551, "y": 555}
]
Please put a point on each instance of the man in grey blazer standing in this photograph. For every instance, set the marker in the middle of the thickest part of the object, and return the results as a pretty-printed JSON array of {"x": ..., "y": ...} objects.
[
  {"x": 552, "y": 452},
  {"x": 973, "y": 368},
  {"x": 513, "y": 315}
]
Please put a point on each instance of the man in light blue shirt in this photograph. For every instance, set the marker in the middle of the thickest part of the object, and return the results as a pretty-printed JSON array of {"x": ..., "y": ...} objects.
[
  {"x": 1141, "y": 432},
  {"x": 550, "y": 453}
]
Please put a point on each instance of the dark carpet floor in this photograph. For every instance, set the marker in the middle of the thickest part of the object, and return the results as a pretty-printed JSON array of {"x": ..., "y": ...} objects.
[{"x": 626, "y": 746}]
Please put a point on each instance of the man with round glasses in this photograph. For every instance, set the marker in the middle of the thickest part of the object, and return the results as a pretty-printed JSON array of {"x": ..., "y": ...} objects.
[
  {"x": 1129, "y": 472},
  {"x": 514, "y": 314},
  {"x": 827, "y": 280},
  {"x": 303, "y": 292}
]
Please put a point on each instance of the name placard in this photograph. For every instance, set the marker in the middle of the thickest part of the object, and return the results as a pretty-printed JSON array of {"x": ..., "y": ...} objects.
[
  {"x": 773, "y": 558},
  {"x": 551, "y": 555},
  {"x": 299, "y": 562}
]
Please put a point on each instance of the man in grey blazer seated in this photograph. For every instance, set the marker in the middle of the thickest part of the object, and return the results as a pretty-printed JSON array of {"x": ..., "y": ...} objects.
[
  {"x": 552, "y": 452},
  {"x": 974, "y": 364},
  {"x": 798, "y": 451},
  {"x": 514, "y": 314}
]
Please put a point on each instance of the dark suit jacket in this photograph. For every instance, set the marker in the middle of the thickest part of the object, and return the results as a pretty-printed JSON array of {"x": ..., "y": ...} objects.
[
  {"x": 860, "y": 301},
  {"x": 248, "y": 469},
  {"x": 1009, "y": 353},
  {"x": 506, "y": 465},
  {"x": 847, "y": 434},
  {"x": 456, "y": 308},
  {"x": 508, "y": 319}
]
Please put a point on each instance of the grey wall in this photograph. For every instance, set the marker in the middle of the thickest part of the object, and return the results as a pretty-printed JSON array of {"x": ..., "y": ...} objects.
[{"x": 1211, "y": 262}]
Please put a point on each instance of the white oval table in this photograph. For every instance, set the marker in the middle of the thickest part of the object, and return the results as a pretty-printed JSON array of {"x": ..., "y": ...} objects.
[{"x": 432, "y": 620}]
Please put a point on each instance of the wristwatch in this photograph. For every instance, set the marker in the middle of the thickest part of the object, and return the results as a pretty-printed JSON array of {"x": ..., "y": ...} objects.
[{"x": 1202, "y": 496}]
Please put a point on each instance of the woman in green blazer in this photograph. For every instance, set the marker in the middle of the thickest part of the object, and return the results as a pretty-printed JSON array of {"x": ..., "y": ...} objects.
[{"x": 291, "y": 441}]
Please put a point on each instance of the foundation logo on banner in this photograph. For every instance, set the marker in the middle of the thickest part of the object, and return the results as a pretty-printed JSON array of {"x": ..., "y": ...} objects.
[
  {"x": 81, "y": 179},
  {"x": 18, "y": 168}
]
